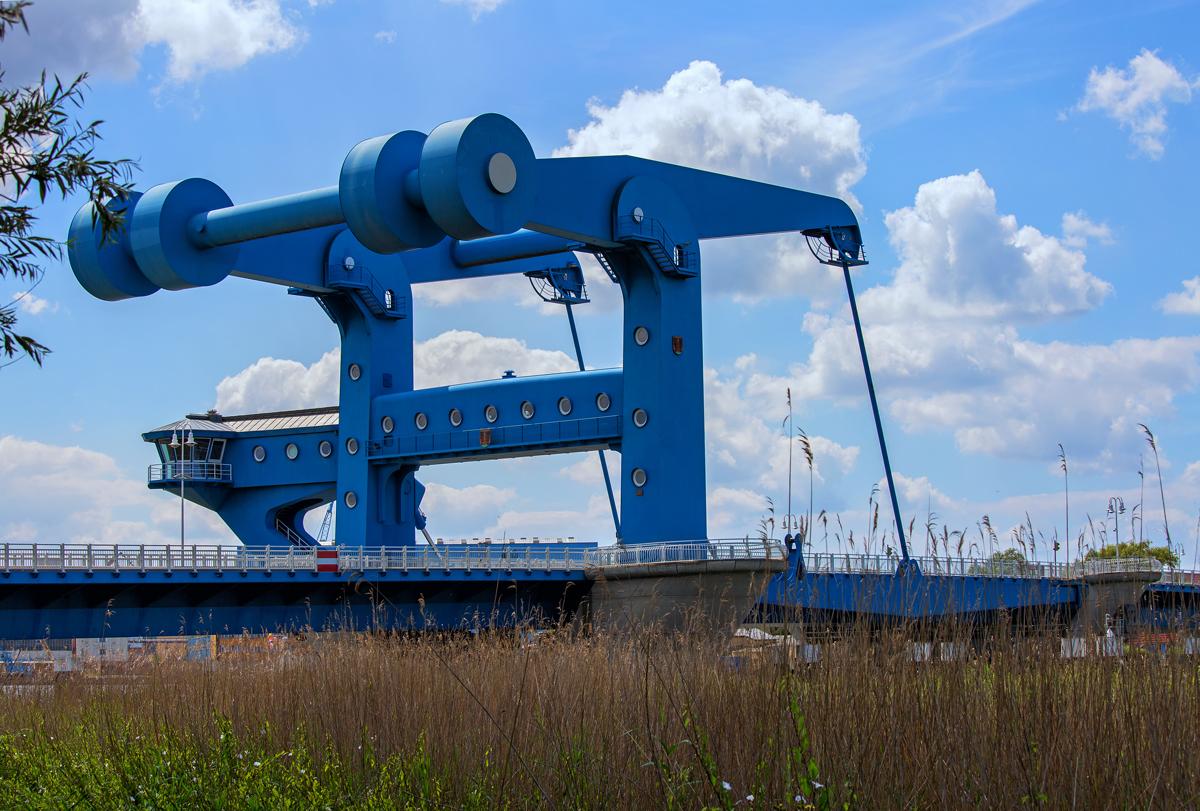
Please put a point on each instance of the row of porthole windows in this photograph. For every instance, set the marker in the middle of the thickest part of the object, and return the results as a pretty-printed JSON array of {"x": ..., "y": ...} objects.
[
  {"x": 292, "y": 451},
  {"x": 491, "y": 414}
]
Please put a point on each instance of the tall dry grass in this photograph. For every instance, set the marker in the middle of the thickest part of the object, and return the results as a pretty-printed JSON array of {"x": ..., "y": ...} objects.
[{"x": 614, "y": 722}]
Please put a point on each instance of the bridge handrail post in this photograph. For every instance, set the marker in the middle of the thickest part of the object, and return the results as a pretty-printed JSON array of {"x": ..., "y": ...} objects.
[
  {"x": 89, "y": 558},
  {"x": 62, "y": 558},
  {"x": 35, "y": 560}
]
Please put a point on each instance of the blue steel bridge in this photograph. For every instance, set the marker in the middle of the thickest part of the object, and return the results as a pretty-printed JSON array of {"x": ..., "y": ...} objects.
[
  {"x": 68, "y": 590},
  {"x": 470, "y": 200}
]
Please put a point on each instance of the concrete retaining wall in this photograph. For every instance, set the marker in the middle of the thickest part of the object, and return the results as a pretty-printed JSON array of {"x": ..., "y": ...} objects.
[{"x": 707, "y": 595}]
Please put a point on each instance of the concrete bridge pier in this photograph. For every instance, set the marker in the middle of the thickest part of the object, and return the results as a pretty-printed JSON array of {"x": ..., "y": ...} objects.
[
  {"x": 1107, "y": 593},
  {"x": 709, "y": 588}
]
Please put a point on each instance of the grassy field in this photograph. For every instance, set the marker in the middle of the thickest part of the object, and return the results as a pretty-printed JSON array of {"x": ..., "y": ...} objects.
[{"x": 600, "y": 722}]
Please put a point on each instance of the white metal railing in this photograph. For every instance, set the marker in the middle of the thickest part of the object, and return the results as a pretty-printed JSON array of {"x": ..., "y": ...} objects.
[
  {"x": 685, "y": 551},
  {"x": 293, "y": 537},
  {"x": 529, "y": 557},
  {"x": 190, "y": 471},
  {"x": 835, "y": 563},
  {"x": 1180, "y": 578},
  {"x": 465, "y": 557},
  {"x": 89, "y": 558},
  {"x": 1115, "y": 565}
]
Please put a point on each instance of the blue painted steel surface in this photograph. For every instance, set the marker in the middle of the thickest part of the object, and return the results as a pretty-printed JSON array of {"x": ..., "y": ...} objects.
[
  {"x": 907, "y": 593},
  {"x": 215, "y": 591}
]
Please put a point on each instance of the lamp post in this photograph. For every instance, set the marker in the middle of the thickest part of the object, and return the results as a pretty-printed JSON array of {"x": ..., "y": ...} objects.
[{"x": 186, "y": 448}]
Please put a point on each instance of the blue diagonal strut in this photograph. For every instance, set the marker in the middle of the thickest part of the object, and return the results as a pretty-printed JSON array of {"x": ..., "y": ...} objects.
[
  {"x": 612, "y": 502},
  {"x": 887, "y": 465}
]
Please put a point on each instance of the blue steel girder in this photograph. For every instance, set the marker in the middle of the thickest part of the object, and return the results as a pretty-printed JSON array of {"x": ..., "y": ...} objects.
[
  {"x": 910, "y": 594},
  {"x": 466, "y": 201}
]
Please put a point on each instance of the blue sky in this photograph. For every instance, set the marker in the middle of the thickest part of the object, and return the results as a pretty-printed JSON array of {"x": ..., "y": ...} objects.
[{"x": 1024, "y": 173}]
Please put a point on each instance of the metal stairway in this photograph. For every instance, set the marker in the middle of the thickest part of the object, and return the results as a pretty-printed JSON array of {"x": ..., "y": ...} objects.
[
  {"x": 672, "y": 259},
  {"x": 382, "y": 303}
]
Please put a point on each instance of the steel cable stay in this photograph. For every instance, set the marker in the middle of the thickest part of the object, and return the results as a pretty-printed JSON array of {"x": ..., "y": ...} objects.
[
  {"x": 840, "y": 247},
  {"x": 565, "y": 286}
]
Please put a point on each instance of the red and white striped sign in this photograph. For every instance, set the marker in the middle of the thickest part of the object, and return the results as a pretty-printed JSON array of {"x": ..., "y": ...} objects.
[{"x": 327, "y": 560}]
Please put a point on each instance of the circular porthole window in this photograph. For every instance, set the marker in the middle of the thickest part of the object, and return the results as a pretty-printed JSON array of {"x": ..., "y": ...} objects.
[
  {"x": 638, "y": 477},
  {"x": 292, "y": 450},
  {"x": 564, "y": 406},
  {"x": 455, "y": 417},
  {"x": 641, "y": 336},
  {"x": 355, "y": 371},
  {"x": 638, "y": 214},
  {"x": 325, "y": 448},
  {"x": 422, "y": 421},
  {"x": 640, "y": 418},
  {"x": 527, "y": 410},
  {"x": 351, "y": 446},
  {"x": 603, "y": 402},
  {"x": 387, "y": 425},
  {"x": 351, "y": 499},
  {"x": 260, "y": 453},
  {"x": 491, "y": 414}
]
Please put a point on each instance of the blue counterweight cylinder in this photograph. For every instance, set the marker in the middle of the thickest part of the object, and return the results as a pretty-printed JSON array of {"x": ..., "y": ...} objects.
[
  {"x": 158, "y": 234},
  {"x": 478, "y": 177},
  {"x": 108, "y": 272},
  {"x": 371, "y": 190}
]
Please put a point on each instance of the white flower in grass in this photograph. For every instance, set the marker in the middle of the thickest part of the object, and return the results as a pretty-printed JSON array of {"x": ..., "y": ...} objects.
[{"x": 726, "y": 786}]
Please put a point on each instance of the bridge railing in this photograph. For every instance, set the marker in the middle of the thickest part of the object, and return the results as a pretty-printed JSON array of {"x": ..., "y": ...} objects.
[
  {"x": 1179, "y": 577},
  {"x": 190, "y": 471},
  {"x": 90, "y": 558},
  {"x": 837, "y": 563},
  {"x": 684, "y": 552},
  {"x": 469, "y": 557}
]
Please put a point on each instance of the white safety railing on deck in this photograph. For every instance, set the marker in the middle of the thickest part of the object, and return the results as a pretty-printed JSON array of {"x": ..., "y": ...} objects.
[
  {"x": 62, "y": 558},
  {"x": 834, "y": 563},
  {"x": 684, "y": 552}
]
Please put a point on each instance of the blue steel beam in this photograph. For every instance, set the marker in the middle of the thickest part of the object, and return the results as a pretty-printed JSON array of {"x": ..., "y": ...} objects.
[{"x": 910, "y": 594}]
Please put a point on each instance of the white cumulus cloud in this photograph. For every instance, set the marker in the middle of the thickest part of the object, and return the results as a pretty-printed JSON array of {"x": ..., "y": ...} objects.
[
  {"x": 461, "y": 356},
  {"x": 734, "y": 127},
  {"x": 739, "y": 128},
  {"x": 56, "y": 494},
  {"x": 280, "y": 385},
  {"x": 1186, "y": 302},
  {"x": 961, "y": 258},
  {"x": 947, "y": 355},
  {"x": 33, "y": 305},
  {"x": 456, "y": 356},
  {"x": 207, "y": 35},
  {"x": 108, "y": 36},
  {"x": 1078, "y": 229},
  {"x": 1137, "y": 98},
  {"x": 478, "y": 7}
]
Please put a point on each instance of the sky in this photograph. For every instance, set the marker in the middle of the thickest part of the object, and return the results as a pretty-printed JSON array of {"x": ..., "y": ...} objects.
[{"x": 1023, "y": 173}]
